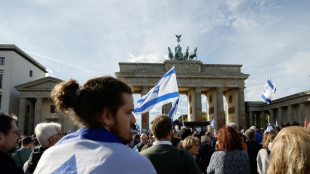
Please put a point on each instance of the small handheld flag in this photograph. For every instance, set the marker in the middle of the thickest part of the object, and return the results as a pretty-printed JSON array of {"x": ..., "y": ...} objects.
[
  {"x": 305, "y": 123},
  {"x": 269, "y": 128},
  {"x": 212, "y": 123},
  {"x": 165, "y": 91},
  {"x": 269, "y": 92}
]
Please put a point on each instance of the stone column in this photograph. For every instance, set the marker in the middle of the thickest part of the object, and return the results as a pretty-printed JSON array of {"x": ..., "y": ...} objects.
[
  {"x": 165, "y": 109},
  {"x": 263, "y": 119},
  {"x": 290, "y": 114},
  {"x": 241, "y": 108},
  {"x": 191, "y": 112},
  {"x": 301, "y": 115},
  {"x": 280, "y": 117},
  {"x": 145, "y": 116},
  {"x": 219, "y": 116},
  {"x": 31, "y": 116},
  {"x": 271, "y": 117},
  {"x": 198, "y": 114},
  {"x": 251, "y": 119},
  {"x": 22, "y": 114},
  {"x": 38, "y": 111}
]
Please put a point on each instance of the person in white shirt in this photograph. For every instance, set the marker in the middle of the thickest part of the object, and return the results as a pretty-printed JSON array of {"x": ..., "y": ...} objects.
[{"x": 104, "y": 107}]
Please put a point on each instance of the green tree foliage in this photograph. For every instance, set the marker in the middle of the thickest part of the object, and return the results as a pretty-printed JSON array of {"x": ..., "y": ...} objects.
[
  {"x": 184, "y": 117},
  {"x": 204, "y": 116}
]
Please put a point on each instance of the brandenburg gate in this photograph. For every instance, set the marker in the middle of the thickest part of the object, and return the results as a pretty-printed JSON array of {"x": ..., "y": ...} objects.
[{"x": 194, "y": 79}]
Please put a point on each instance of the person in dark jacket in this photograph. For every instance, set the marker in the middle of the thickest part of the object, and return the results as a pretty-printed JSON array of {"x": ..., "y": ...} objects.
[
  {"x": 48, "y": 134},
  {"x": 9, "y": 138},
  {"x": 143, "y": 141},
  {"x": 135, "y": 141},
  {"x": 253, "y": 148},
  {"x": 205, "y": 153}
]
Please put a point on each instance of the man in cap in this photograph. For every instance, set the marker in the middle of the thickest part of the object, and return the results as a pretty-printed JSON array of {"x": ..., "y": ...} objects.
[{"x": 23, "y": 154}]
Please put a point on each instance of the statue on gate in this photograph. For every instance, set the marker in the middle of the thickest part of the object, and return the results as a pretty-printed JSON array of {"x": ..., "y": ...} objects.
[{"x": 178, "y": 52}]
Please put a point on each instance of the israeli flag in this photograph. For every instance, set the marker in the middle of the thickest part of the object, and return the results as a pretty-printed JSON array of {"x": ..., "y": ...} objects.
[
  {"x": 165, "y": 91},
  {"x": 212, "y": 123},
  {"x": 269, "y": 92},
  {"x": 269, "y": 128},
  {"x": 174, "y": 109}
]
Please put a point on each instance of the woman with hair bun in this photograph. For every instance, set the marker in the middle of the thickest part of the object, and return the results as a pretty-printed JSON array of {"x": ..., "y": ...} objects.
[
  {"x": 103, "y": 107},
  {"x": 230, "y": 156}
]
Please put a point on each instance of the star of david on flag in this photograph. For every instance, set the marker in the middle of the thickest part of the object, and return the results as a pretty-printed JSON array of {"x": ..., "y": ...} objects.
[
  {"x": 269, "y": 92},
  {"x": 165, "y": 91}
]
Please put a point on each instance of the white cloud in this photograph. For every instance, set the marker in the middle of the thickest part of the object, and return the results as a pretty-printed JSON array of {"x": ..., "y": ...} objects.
[{"x": 150, "y": 58}]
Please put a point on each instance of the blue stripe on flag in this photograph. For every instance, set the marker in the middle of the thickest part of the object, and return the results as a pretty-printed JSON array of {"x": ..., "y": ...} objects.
[
  {"x": 172, "y": 111},
  {"x": 270, "y": 84},
  {"x": 212, "y": 123},
  {"x": 157, "y": 100},
  {"x": 266, "y": 99},
  {"x": 172, "y": 71}
]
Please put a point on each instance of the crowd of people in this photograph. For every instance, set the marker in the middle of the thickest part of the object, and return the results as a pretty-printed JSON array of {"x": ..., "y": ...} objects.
[{"x": 104, "y": 144}]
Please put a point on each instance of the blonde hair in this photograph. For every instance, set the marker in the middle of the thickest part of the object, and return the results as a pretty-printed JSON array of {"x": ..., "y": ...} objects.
[
  {"x": 270, "y": 136},
  {"x": 189, "y": 142},
  {"x": 291, "y": 143}
]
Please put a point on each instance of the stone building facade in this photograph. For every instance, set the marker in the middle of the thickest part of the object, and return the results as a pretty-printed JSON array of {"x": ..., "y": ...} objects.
[
  {"x": 36, "y": 105},
  {"x": 194, "y": 79},
  {"x": 16, "y": 67},
  {"x": 290, "y": 109}
]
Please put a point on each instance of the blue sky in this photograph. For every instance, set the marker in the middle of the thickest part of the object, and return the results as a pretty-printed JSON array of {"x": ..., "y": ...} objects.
[{"x": 85, "y": 39}]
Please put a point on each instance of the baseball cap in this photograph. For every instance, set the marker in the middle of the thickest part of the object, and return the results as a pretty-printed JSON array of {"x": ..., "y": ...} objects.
[{"x": 27, "y": 140}]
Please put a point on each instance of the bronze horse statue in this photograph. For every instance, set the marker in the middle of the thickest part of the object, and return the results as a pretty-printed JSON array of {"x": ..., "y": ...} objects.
[
  {"x": 193, "y": 55},
  {"x": 170, "y": 54},
  {"x": 185, "y": 57}
]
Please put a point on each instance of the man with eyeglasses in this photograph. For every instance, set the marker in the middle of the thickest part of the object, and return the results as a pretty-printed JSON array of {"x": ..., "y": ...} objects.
[
  {"x": 9, "y": 138},
  {"x": 47, "y": 134}
]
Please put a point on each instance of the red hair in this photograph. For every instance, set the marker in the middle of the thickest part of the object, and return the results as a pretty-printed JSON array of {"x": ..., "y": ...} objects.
[{"x": 228, "y": 139}]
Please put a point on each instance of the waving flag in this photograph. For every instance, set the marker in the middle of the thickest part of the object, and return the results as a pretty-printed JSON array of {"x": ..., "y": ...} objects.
[
  {"x": 174, "y": 109},
  {"x": 165, "y": 91},
  {"x": 269, "y": 92},
  {"x": 212, "y": 123}
]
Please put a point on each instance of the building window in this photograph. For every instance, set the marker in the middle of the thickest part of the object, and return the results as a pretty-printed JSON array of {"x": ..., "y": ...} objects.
[
  {"x": 52, "y": 109},
  {"x": 1, "y": 75},
  {"x": 30, "y": 73},
  {"x": 2, "y": 60}
]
